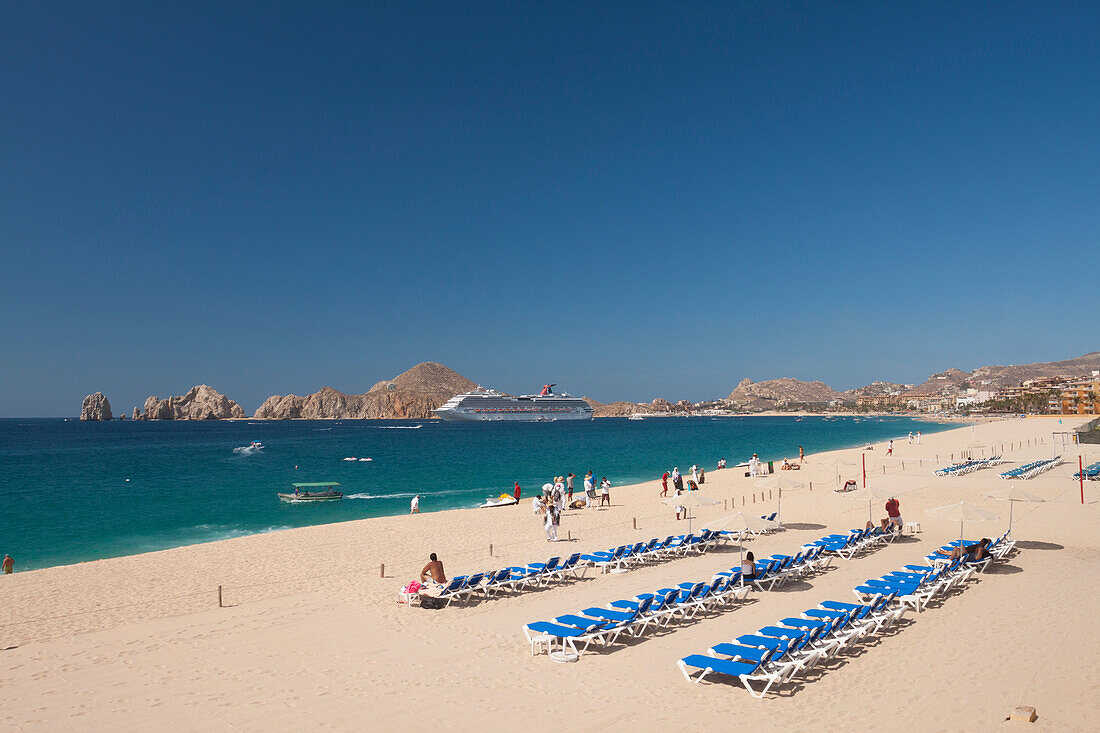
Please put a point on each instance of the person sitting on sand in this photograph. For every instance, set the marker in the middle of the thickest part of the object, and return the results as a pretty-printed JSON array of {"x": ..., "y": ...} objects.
[
  {"x": 434, "y": 571},
  {"x": 785, "y": 466},
  {"x": 748, "y": 567},
  {"x": 849, "y": 485},
  {"x": 969, "y": 553}
]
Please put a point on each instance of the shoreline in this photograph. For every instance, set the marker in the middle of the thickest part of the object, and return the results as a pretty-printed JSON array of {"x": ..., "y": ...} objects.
[{"x": 276, "y": 528}]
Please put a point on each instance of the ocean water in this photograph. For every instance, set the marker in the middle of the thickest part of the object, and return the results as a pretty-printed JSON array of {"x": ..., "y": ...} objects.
[{"x": 76, "y": 491}]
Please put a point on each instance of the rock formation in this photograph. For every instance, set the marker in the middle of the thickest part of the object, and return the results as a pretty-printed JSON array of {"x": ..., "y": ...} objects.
[
  {"x": 784, "y": 390},
  {"x": 410, "y": 395},
  {"x": 200, "y": 403},
  {"x": 617, "y": 409},
  {"x": 95, "y": 407}
]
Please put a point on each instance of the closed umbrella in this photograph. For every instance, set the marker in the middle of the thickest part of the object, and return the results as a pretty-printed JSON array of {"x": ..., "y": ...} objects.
[
  {"x": 688, "y": 500},
  {"x": 962, "y": 513},
  {"x": 781, "y": 484},
  {"x": 837, "y": 463},
  {"x": 1013, "y": 495}
]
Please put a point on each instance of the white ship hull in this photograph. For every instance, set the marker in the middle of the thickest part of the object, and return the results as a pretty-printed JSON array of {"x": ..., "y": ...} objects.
[
  {"x": 511, "y": 417},
  {"x": 490, "y": 406}
]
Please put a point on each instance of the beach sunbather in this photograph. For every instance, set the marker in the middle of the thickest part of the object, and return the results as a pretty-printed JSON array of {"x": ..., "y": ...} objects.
[
  {"x": 748, "y": 567},
  {"x": 434, "y": 571},
  {"x": 969, "y": 553}
]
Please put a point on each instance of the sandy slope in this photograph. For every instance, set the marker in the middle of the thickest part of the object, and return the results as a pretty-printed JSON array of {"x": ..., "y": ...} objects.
[{"x": 314, "y": 638}]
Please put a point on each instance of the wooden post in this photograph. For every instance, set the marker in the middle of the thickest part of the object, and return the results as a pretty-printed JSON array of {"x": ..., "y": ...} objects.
[
  {"x": 570, "y": 537},
  {"x": 725, "y": 504},
  {"x": 811, "y": 486},
  {"x": 754, "y": 497},
  {"x": 382, "y": 572},
  {"x": 635, "y": 523},
  {"x": 490, "y": 549},
  {"x": 220, "y": 590}
]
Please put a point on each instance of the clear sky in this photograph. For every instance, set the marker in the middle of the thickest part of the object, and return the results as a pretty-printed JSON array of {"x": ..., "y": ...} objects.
[{"x": 629, "y": 199}]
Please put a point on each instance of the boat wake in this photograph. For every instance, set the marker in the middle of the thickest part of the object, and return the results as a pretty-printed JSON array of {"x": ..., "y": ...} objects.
[
  {"x": 399, "y": 427},
  {"x": 411, "y": 494},
  {"x": 247, "y": 450}
]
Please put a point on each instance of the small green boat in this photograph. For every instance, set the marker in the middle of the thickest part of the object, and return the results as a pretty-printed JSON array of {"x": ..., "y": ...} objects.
[{"x": 323, "y": 491}]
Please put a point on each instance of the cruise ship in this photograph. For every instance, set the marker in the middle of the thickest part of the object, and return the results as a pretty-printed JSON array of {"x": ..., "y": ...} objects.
[{"x": 488, "y": 404}]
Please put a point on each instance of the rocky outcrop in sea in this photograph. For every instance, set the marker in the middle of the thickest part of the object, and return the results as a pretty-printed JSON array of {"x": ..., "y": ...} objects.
[
  {"x": 201, "y": 402},
  {"x": 411, "y": 395},
  {"x": 95, "y": 407}
]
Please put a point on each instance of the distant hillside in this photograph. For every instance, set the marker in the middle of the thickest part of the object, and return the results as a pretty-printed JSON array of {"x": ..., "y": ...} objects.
[
  {"x": 616, "y": 409},
  {"x": 772, "y": 392},
  {"x": 1007, "y": 376},
  {"x": 876, "y": 389},
  {"x": 413, "y": 394}
]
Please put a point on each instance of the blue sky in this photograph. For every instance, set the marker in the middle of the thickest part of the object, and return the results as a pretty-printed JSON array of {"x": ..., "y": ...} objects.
[{"x": 628, "y": 199}]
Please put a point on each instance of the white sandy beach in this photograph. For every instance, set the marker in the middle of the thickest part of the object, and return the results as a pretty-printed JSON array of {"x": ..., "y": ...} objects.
[{"x": 312, "y": 636}]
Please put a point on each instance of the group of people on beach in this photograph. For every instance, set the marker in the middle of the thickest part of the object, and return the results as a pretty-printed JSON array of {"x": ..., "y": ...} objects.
[{"x": 557, "y": 496}]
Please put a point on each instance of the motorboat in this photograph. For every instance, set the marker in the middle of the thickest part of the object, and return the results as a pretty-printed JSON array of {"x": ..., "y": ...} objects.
[{"x": 321, "y": 491}]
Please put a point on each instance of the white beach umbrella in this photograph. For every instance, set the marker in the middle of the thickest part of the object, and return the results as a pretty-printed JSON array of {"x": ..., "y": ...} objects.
[
  {"x": 869, "y": 494},
  {"x": 781, "y": 484},
  {"x": 962, "y": 513},
  {"x": 741, "y": 523},
  {"x": 1013, "y": 495},
  {"x": 689, "y": 499}
]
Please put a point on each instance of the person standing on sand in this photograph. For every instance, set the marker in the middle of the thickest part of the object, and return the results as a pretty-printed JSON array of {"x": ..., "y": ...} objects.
[
  {"x": 9, "y": 565},
  {"x": 414, "y": 508},
  {"x": 702, "y": 475},
  {"x": 551, "y": 524},
  {"x": 910, "y": 437},
  {"x": 677, "y": 480},
  {"x": 801, "y": 454},
  {"x": 679, "y": 509},
  {"x": 918, "y": 437},
  {"x": 605, "y": 491},
  {"x": 890, "y": 447},
  {"x": 695, "y": 473},
  {"x": 664, "y": 484},
  {"x": 517, "y": 493},
  {"x": 569, "y": 485}
]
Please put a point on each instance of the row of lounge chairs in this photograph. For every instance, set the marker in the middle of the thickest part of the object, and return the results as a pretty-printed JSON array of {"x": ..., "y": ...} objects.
[
  {"x": 776, "y": 653},
  {"x": 1092, "y": 473},
  {"x": 965, "y": 467},
  {"x": 857, "y": 541},
  {"x": 484, "y": 585},
  {"x": 576, "y": 631},
  {"x": 1033, "y": 469}
]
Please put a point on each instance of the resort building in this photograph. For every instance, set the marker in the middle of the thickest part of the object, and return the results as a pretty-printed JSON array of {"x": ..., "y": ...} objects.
[{"x": 1078, "y": 397}]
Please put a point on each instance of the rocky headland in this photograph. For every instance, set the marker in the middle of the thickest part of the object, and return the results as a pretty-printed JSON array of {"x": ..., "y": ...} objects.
[
  {"x": 202, "y": 402},
  {"x": 95, "y": 407},
  {"x": 413, "y": 395}
]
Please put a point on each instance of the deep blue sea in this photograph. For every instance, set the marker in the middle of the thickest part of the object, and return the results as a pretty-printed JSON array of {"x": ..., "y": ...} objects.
[{"x": 78, "y": 491}]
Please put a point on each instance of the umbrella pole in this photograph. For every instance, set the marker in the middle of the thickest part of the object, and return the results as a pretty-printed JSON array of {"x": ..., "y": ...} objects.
[
  {"x": 779, "y": 509},
  {"x": 1010, "y": 503}
]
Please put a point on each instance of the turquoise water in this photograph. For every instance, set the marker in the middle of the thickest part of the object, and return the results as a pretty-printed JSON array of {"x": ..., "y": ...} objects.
[{"x": 78, "y": 491}]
